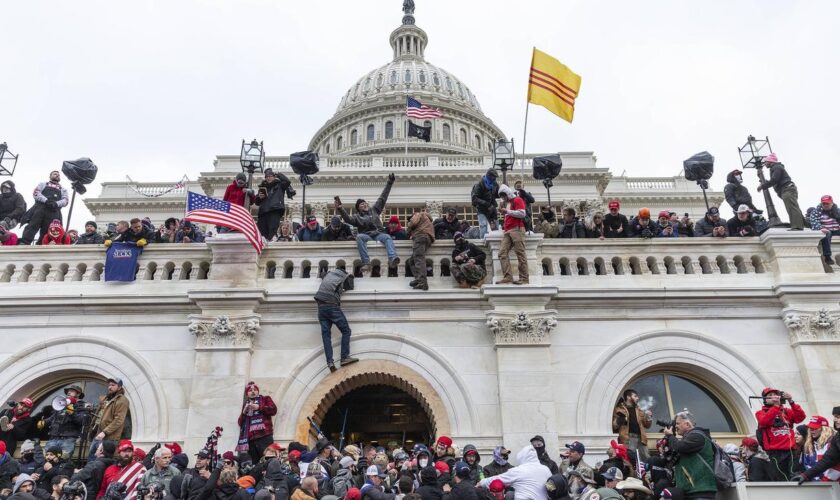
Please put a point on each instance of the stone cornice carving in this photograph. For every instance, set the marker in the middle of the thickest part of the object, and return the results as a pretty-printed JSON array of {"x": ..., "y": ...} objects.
[
  {"x": 521, "y": 328},
  {"x": 222, "y": 332},
  {"x": 818, "y": 327}
]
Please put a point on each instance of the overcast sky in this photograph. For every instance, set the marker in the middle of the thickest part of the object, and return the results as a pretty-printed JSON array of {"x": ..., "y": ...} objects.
[{"x": 156, "y": 89}]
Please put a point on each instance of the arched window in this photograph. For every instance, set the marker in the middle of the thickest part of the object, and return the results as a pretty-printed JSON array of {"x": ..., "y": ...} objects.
[
  {"x": 447, "y": 132},
  {"x": 436, "y": 79},
  {"x": 379, "y": 80},
  {"x": 427, "y": 123},
  {"x": 422, "y": 77},
  {"x": 371, "y": 132},
  {"x": 448, "y": 84},
  {"x": 407, "y": 78},
  {"x": 393, "y": 77},
  {"x": 389, "y": 130},
  {"x": 463, "y": 134},
  {"x": 327, "y": 149},
  {"x": 354, "y": 137},
  {"x": 477, "y": 141},
  {"x": 666, "y": 393},
  {"x": 339, "y": 141},
  {"x": 367, "y": 84},
  {"x": 92, "y": 387}
]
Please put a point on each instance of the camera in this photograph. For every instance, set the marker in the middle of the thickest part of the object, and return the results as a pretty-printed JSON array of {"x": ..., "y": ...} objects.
[
  {"x": 150, "y": 491},
  {"x": 665, "y": 424},
  {"x": 73, "y": 490},
  {"x": 115, "y": 491}
]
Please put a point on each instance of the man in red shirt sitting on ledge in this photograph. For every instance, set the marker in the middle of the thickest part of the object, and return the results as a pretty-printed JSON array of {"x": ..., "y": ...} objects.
[
  {"x": 775, "y": 427},
  {"x": 513, "y": 209}
]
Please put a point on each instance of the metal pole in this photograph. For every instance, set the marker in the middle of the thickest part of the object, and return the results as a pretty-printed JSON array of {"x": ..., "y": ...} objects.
[
  {"x": 548, "y": 192},
  {"x": 303, "y": 204},
  {"x": 705, "y": 198},
  {"x": 773, "y": 219},
  {"x": 70, "y": 212},
  {"x": 524, "y": 138}
]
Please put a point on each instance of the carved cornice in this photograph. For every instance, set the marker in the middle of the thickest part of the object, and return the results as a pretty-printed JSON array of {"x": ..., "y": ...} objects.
[
  {"x": 223, "y": 332},
  {"x": 808, "y": 327},
  {"x": 521, "y": 328}
]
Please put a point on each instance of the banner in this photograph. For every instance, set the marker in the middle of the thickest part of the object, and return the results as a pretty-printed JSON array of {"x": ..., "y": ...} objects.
[{"x": 121, "y": 261}]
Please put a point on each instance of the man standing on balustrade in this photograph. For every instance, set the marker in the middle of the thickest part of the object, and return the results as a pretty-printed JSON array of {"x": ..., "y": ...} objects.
[
  {"x": 369, "y": 223},
  {"x": 513, "y": 209},
  {"x": 781, "y": 182},
  {"x": 50, "y": 198},
  {"x": 270, "y": 197},
  {"x": 422, "y": 232},
  {"x": 484, "y": 194}
]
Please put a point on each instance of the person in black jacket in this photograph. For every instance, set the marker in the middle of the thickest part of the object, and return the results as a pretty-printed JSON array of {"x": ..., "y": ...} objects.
[
  {"x": 91, "y": 236},
  {"x": 742, "y": 224},
  {"x": 337, "y": 231},
  {"x": 50, "y": 198},
  {"x": 368, "y": 220},
  {"x": 429, "y": 488},
  {"x": 529, "y": 200},
  {"x": 756, "y": 460},
  {"x": 711, "y": 225},
  {"x": 54, "y": 465},
  {"x": 571, "y": 227},
  {"x": 65, "y": 426},
  {"x": 271, "y": 194},
  {"x": 737, "y": 194},
  {"x": 617, "y": 224},
  {"x": 133, "y": 233},
  {"x": 464, "y": 488},
  {"x": 16, "y": 425},
  {"x": 500, "y": 463},
  {"x": 447, "y": 226},
  {"x": 539, "y": 446},
  {"x": 9, "y": 468},
  {"x": 468, "y": 267},
  {"x": 91, "y": 474},
  {"x": 483, "y": 196},
  {"x": 781, "y": 182},
  {"x": 12, "y": 205}
]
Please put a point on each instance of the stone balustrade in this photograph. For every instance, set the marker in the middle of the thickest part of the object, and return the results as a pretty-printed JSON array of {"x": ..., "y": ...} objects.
[{"x": 550, "y": 260}]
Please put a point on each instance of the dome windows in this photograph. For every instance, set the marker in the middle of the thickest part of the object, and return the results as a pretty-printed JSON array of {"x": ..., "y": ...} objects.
[
  {"x": 371, "y": 132},
  {"x": 339, "y": 142},
  {"x": 389, "y": 130},
  {"x": 407, "y": 78},
  {"x": 436, "y": 79},
  {"x": 354, "y": 137},
  {"x": 328, "y": 148},
  {"x": 477, "y": 141},
  {"x": 422, "y": 77},
  {"x": 379, "y": 80},
  {"x": 447, "y": 132},
  {"x": 393, "y": 79},
  {"x": 461, "y": 91},
  {"x": 367, "y": 85},
  {"x": 448, "y": 84},
  {"x": 463, "y": 136}
]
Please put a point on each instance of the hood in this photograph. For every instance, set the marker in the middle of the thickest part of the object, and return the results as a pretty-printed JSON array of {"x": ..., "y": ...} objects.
[
  {"x": 561, "y": 487},
  {"x": 527, "y": 455},
  {"x": 469, "y": 448},
  {"x": 57, "y": 224},
  {"x": 276, "y": 471},
  {"x": 730, "y": 178},
  {"x": 10, "y": 185},
  {"x": 428, "y": 475},
  {"x": 22, "y": 478}
]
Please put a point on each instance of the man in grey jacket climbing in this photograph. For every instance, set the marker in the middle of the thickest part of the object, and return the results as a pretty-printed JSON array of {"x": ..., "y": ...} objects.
[{"x": 328, "y": 298}]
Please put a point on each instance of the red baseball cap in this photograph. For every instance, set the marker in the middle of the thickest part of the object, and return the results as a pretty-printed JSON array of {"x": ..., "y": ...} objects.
[
  {"x": 614, "y": 204},
  {"x": 749, "y": 442},
  {"x": 817, "y": 421},
  {"x": 768, "y": 390},
  {"x": 125, "y": 444},
  {"x": 442, "y": 467},
  {"x": 827, "y": 199},
  {"x": 294, "y": 455},
  {"x": 664, "y": 213},
  {"x": 276, "y": 447},
  {"x": 497, "y": 486}
]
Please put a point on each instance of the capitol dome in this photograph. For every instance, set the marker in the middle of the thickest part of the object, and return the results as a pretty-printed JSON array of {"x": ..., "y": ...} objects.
[{"x": 370, "y": 118}]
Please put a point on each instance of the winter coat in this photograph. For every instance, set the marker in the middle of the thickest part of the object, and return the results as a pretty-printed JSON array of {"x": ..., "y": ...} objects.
[
  {"x": 649, "y": 231},
  {"x": 527, "y": 479},
  {"x": 472, "y": 252},
  {"x": 63, "y": 424},
  {"x": 60, "y": 468},
  {"x": 343, "y": 233},
  {"x": 429, "y": 488},
  {"x": 483, "y": 199},
  {"x": 705, "y": 226},
  {"x": 275, "y": 194},
  {"x": 61, "y": 239},
  {"x": 50, "y": 192},
  {"x": 690, "y": 473},
  {"x": 566, "y": 465},
  {"x": 90, "y": 239},
  {"x": 91, "y": 475},
  {"x": 12, "y": 205},
  {"x": 9, "y": 467},
  {"x": 164, "y": 476},
  {"x": 235, "y": 195},
  {"x": 374, "y": 493},
  {"x": 780, "y": 438},
  {"x": 420, "y": 224},
  {"x": 734, "y": 226},
  {"x": 32, "y": 462},
  {"x": 306, "y": 234},
  {"x": 19, "y": 432},
  {"x": 779, "y": 179},
  {"x": 445, "y": 230},
  {"x": 464, "y": 490},
  {"x": 113, "y": 410},
  {"x": 529, "y": 200},
  {"x": 737, "y": 194},
  {"x": 596, "y": 231},
  {"x": 369, "y": 222},
  {"x": 230, "y": 491},
  {"x": 613, "y": 223},
  {"x": 195, "y": 235},
  {"x": 300, "y": 494},
  {"x": 758, "y": 467},
  {"x": 817, "y": 213},
  {"x": 333, "y": 285},
  {"x": 398, "y": 235},
  {"x": 494, "y": 469},
  {"x": 621, "y": 423},
  {"x": 268, "y": 410},
  {"x": 573, "y": 229},
  {"x": 476, "y": 472},
  {"x": 675, "y": 230},
  {"x": 130, "y": 236},
  {"x": 830, "y": 459}
]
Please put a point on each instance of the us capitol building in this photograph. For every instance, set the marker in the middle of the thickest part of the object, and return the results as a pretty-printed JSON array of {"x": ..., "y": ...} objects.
[{"x": 689, "y": 323}]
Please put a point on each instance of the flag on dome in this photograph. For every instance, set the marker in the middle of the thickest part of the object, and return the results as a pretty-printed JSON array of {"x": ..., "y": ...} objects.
[
  {"x": 415, "y": 109},
  {"x": 221, "y": 213},
  {"x": 423, "y": 133},
  {"x": 552, "y": 85}
]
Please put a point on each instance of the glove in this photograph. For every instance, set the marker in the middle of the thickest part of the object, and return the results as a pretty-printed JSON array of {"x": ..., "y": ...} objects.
[
  {"x": 108, "y": 243},
  {"x": 292, "y": 193},
  {"x": 391, "y": 177},
  {"x": 51, "y": 204},
  {"x": 141, "y": 242},
  {"x": 799, "y": 478},
  {"x": 69, "y": 409}
]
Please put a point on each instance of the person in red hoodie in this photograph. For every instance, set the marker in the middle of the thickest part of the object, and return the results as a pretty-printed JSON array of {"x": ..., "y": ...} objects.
[
  {"x": 256, "y": 431},
  {"x": 775, "y": 427},
  {"x": 513, "y": 208},
  {"x": 55, "y": 235},
  {"x": 237, "y": 191}
]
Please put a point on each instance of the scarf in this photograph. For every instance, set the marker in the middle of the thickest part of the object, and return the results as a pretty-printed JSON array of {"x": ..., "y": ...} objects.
[
  {"x": 253, "y": 423},
  {"x": 488, "y": 183},
  {"x": 497, "y": 456},
  {"x": 21, "y": 416}
]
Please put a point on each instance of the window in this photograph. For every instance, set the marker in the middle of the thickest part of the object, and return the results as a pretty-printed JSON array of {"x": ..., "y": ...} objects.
[
  {"x": 354, "y": 137},
  {"x": 447, "y": 132},
  {"x": 422, "y": 77},
  {"x": 407, "y": 78},
  {"x": 327, "y": 149},
  {"x": 393, "y": 78},
  {"x": 379, "y": 80},
  {"x": 448, "y": 84},
  {"x": 371, "y": 132},
  {"x": 91, "y": 385},
  {"x": 477, "y": 141},
  {"x": 367, "y": 84},
  {"x": 339, "y": 141},
  {"x": 463, "y": 134},
  {"x": 389, "y": 130},
  {"x": 427, "y": 123},
  {"x": 667, "y": 393},
  {"x": 436, "y": 79}
]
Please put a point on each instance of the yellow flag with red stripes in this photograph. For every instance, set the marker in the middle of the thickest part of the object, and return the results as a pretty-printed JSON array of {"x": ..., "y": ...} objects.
[{"x": 552, "y": 85}]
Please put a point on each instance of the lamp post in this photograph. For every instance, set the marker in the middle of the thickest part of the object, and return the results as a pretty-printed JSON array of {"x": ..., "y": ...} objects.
[
  {"x": 252, "y": 158},
  {"x": 503, "y": 156},
  {"x": 752, "y": 156},
  {"x": 8, "y": 161}
]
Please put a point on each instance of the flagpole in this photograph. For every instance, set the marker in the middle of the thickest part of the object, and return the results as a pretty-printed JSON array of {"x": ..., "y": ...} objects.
[
  {"x": 405, "y": 125},
  {"x": 524, "y": 138}
]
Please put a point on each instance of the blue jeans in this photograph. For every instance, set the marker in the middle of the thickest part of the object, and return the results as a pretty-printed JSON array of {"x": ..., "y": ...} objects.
[
  {"x": 67, "y": 445},
  {"x": 483, "y": 224},
  {"x": 94, "y": 444},
  {"x": 826, "y": 243},
  {"x": 329, "y": 315},
  {"x": 362, "y": 240}
]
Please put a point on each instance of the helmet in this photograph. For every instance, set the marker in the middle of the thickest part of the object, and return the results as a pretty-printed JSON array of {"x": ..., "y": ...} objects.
[{"x": 644, "y": 213}]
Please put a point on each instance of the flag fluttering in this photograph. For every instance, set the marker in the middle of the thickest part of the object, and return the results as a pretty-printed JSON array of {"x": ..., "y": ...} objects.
[
  {"x": 423, "y": 133},
  {"x": 208, "y": 210},
  {"x": 553, "y": 86},
  {"x": 416, "y": 109}
]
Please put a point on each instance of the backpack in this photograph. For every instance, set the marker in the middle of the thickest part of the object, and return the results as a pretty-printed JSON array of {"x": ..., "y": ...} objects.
[
  {"x": 342, "y": 483},
  {"x": 721, "y": 467}
]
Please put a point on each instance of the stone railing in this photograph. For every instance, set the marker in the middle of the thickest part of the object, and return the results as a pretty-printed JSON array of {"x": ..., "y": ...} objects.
[{"x": 550, "y": 261}]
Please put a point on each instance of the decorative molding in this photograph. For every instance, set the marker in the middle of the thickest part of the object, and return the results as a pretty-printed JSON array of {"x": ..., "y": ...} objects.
[
  {"x": 319, "y": 209},
  {"x": 435, "y": 208},
  {"x": 813, "y": 327},
  {"x": 522, "y": 328},
  {"x": 222, "y": 332}
]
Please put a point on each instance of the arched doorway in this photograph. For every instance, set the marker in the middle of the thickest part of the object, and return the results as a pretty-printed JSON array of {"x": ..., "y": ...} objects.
[{"x": 378, "y": 414}]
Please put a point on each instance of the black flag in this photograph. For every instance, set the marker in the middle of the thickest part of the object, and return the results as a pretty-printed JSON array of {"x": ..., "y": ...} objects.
[{"x": 419, "y": 132}]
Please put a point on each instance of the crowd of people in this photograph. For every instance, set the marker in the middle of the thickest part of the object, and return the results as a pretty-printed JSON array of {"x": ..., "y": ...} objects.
[{"x": 686, "y": 463}]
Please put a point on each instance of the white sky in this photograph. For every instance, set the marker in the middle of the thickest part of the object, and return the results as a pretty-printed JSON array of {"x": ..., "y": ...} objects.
[{"x": 156, "y": 89}]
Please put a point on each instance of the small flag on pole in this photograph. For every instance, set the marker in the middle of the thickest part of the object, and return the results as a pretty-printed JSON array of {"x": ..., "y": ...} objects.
[
  {"x": 221, "y": 213},
  {"x": 424, "y": 133},
  {"x": 415, "y": 109},
  {"x": 553, "y": 86}
]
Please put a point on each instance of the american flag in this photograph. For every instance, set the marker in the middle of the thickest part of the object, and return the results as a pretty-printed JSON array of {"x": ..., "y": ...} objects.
[
  {"x": 130, "y": 476},
  {"x": 414, "y": 109},
  {"x": 221, "y": 213}
]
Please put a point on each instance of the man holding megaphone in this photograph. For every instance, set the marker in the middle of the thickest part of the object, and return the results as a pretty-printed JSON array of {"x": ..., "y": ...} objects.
[{"x": 66, "y": 422}]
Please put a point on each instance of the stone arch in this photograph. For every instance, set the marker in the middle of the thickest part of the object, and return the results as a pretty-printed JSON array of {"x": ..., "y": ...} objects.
[
  {"x": 711, "y": 360},
  {"x": 27, "y": 370},
  {"x": 408, "y": 364}
]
